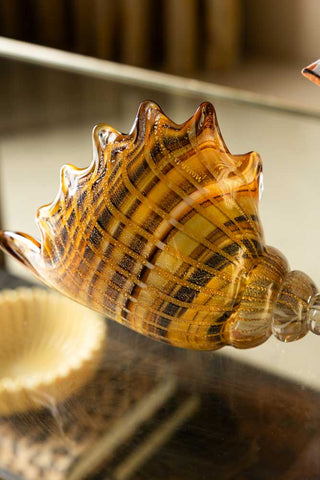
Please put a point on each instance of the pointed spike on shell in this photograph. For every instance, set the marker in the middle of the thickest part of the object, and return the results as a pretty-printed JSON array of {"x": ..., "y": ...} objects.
[
  {"x": 205, "y": 120},
  {"x": 23, "y": 248},
  {"x": 103, "y": 135}
]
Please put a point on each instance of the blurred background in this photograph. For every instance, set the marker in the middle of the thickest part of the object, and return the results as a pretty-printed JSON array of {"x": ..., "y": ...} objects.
[{"x": 256, "y": 45}]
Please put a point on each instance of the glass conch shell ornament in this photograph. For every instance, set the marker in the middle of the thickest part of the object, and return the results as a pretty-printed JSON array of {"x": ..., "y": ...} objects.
[{"x": 161, "y": 233}]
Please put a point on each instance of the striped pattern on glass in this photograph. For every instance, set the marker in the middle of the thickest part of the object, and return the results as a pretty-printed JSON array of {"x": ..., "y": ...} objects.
[{"x": 161, "y": 233}]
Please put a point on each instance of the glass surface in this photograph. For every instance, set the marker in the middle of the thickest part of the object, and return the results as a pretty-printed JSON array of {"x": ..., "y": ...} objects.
[{"x": 161, "y": 411}]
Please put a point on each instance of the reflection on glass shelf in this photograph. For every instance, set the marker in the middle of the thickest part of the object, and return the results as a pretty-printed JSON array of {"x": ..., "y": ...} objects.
[{"x": 138, "y": 77}]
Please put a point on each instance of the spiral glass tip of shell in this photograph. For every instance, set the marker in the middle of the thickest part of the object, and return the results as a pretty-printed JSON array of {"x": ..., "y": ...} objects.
[
  {"x": 314, "y": 314},
  {"x": 297, "y": 308}
]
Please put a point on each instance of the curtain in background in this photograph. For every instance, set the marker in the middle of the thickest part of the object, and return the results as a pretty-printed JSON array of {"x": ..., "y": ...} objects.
[{"x": 178, "y": 36}]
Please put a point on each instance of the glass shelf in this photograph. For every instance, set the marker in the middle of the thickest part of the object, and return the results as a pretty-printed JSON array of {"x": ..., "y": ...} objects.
[{"x": 229, "y": 414}]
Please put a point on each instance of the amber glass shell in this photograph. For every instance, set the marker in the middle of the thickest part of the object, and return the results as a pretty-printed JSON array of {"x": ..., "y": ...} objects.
[{"x": 162, "y": 234}]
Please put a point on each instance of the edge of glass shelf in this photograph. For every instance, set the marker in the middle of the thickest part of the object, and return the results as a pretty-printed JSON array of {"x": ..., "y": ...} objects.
[{"x": 127, "y": 74}]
